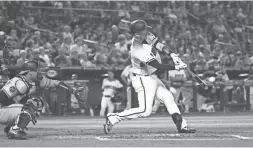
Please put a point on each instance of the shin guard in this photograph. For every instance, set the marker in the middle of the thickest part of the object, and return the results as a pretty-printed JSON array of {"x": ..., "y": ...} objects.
[
  {"x": 177, "y": 119},
  {"x": 23, "y": 119}
]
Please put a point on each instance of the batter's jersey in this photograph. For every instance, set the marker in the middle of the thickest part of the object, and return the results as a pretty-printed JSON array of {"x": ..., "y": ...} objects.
[
  {"x": 110, "y": 87},
  {"x": 141, "y": 54}
]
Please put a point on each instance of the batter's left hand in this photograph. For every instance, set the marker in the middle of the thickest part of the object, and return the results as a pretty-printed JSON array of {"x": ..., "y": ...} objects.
[
  {"x": 175, "y": 58},
  {"x": 180, "y": 66}
]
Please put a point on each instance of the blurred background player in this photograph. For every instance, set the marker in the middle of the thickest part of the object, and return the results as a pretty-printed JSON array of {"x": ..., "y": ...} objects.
[
  {"x": 110, "y": 86},
  {"x": 18, "y": 116},
  {"x": 78, "y": 102}
]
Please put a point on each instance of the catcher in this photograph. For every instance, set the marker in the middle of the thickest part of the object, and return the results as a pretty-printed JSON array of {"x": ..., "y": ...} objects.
[{"x": 16, "y": 117}]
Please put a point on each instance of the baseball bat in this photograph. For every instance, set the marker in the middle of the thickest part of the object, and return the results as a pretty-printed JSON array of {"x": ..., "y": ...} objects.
[
  {"x": 129, "y": 97},
  {"x": 125, "y": 21},
  {"x": 199, "y": 81},
  {"x": 95, "y": 42}
]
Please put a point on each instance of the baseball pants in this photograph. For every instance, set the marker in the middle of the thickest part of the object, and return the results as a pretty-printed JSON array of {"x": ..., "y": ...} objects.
[
  {"x": 8, "y": 114},
  {"x": 148, "y": 88},
  {"x": 106, "y": 103}
]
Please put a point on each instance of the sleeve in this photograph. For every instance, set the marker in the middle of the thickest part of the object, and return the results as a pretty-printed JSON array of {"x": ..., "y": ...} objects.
[
  {"x": 146, "y": 57},
  {"x": 153, "y": 40},
  {"x": 47, "y": 83},
  {"x": 125, "y": 72},
  {"x": 118, "y": 84}
]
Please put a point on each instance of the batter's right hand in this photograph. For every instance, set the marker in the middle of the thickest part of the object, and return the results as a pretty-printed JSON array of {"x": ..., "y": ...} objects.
[{"x": 180, "y": 66}]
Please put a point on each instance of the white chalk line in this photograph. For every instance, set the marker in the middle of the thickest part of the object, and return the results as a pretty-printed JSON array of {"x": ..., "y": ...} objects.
[
  {"x": 146, "y": 125},
  {"x": 160, "y": 139},
  {"x": 171, "y": 137},
  {"x": 167, "y": 120},
  {"x": 228, "y": 137},
  {"x": 242, "y": 137},
  {"x": 70, "y": 137}
]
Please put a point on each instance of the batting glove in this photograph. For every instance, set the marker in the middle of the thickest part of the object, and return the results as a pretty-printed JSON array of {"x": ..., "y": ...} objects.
[
  {"x": 180, "y": 66},
  {"x": 175, "y": 58}
]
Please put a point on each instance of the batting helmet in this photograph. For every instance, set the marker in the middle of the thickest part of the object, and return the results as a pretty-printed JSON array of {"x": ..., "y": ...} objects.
[{"x": 138, "y": 26}]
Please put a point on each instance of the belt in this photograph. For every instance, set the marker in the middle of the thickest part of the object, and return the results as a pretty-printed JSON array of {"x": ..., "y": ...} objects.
[
  {"x": 107, "y": 96},
  {"x": 134, "y": 74}
]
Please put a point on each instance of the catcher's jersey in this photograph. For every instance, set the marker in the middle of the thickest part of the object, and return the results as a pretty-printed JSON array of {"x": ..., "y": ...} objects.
[
  {"x": 20, "y": 86},
  {"x": 110, "y": 87},
  {"x": 16, "y": 86},
  {"x": 141, "y": 54}
]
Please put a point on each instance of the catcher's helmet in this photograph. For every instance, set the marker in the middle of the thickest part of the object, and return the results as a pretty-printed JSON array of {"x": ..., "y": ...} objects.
[
  {"x": 29, "y": 66},
  {"x": 138, "y": 26}
]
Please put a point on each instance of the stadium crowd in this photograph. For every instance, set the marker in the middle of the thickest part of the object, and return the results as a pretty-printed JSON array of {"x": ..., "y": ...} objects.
[{"x": 205, "y": 34}]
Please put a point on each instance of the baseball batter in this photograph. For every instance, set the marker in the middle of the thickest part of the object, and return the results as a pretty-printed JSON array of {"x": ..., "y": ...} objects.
[
  {"x": 109, "y": 87},
  {"x": 146, "y": 84},
  {"x": 16, "y": 117}
]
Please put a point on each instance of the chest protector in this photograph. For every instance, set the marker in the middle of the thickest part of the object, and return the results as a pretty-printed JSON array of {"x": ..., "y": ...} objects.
[{"x": 16, "y": 86}]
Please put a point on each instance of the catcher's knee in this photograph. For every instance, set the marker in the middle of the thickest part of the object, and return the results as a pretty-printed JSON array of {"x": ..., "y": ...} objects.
[
  {"x": 29, "y": 112},
  {"x": 9, "y": 113}
]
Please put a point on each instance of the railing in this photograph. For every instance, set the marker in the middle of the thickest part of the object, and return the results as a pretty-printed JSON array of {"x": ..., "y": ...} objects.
[
  {"x": 93, "y": 79},
  {"x": 220, "y": 85},
  {"x": 84, "y": 11}
]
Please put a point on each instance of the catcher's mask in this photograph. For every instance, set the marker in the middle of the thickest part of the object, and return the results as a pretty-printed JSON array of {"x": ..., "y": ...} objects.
[{"x": 37, "y": 102}]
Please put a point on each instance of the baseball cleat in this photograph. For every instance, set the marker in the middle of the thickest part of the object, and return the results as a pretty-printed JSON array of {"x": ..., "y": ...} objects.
[
  {"x": 107, "y": 126},
  {"x": 7, "y": 128},
  {"x": 187, "y": 130},
  {"x": 16, "y": 134}
]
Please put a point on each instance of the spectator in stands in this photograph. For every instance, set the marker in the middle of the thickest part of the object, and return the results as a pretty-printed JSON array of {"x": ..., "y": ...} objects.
[
  {"x": 37, "y": 39},
  {"x": 121, "y": 50},
  {"x": 4, "y": 74},
  {"x": 29, "y": 45},
  {"x": 74, "y": 59},
  {"x": 61, "y": 60},
  {"x": 101, "y": 58},
  {"x": 65, "y": 46},
  {"x": 67, "y": 34},
  {"x": 44, "y": 56},
  {"x": 85, "y": 63},
  {"x": 22, "y": 58},
  {"x": 200, "y": 61},
  {"x": 79, "y": 46},
  {"x": 35, "y": 55},
  {"x": 77, "y": 32},
  {"x": 13, "y": 34}
]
